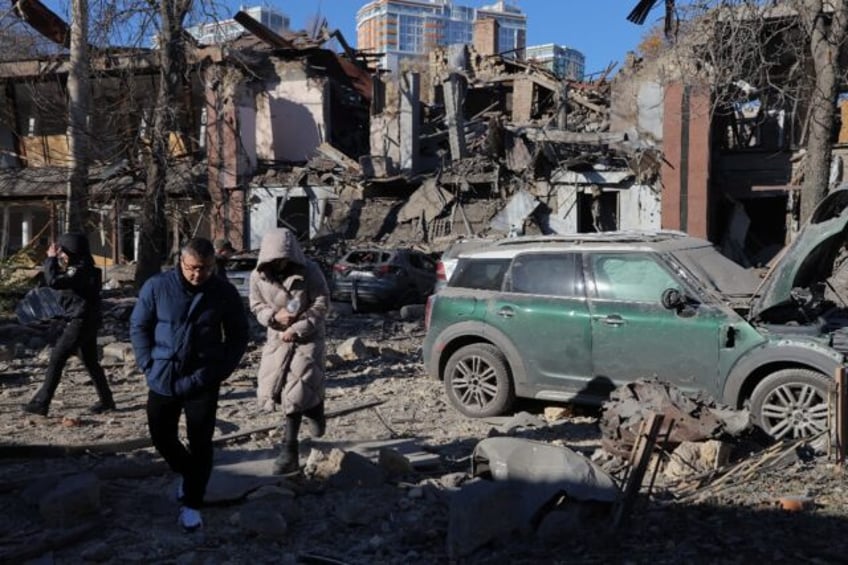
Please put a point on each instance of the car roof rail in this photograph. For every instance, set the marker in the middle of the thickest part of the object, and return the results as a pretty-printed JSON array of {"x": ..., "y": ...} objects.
[{"x": 617, "y": 236}]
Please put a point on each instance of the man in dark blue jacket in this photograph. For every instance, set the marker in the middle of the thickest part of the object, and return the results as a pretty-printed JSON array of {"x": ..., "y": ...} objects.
[{"x": 189, "y": 331}]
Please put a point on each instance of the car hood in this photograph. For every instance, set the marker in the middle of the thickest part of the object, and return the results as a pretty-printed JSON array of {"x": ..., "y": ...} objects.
[
  {"x": 732, "y": 281},
  {"x": 808, "y": 259}
]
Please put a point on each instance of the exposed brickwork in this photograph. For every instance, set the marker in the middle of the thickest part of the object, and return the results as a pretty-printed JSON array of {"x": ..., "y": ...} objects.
[
  {"x": 486, "y": 36},
  {"x": 522, "y": 100},
  {"x": 685, "y": 169}
]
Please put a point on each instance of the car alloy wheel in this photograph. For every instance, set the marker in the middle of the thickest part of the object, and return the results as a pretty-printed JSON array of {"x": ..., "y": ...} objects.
[
  {"x": 477, "y": 381},
  {"x": 791, "y": 403}
]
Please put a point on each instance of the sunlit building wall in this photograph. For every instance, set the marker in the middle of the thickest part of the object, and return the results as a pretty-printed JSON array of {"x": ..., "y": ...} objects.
[
  {"x": 564, "y": 62},
  {"x": 410, "y": 28},
  {"x": 224, "y": 30}
]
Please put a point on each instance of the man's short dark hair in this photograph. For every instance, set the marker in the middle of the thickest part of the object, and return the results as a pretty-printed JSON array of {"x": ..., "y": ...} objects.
[{"x": 199, "y": 247}]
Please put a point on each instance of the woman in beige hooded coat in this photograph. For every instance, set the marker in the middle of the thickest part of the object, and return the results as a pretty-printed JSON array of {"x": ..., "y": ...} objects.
[{"x": 290, "y": 297}]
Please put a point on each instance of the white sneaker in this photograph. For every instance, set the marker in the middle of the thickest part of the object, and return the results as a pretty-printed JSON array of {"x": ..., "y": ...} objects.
[{"x": 190, "y": 519}]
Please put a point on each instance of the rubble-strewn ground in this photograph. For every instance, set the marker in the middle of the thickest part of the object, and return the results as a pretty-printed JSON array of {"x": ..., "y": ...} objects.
[{"x": 403, "y": 521}]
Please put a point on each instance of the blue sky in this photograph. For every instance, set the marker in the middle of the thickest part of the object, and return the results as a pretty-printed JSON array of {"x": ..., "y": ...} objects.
[{"x": 597, "y": 28}]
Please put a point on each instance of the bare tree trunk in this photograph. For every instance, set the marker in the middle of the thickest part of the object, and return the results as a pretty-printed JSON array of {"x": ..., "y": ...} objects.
[
  {"x": 78, "y": 96},
  {"x": 172, "y": 66},
  {"x": 825, "y": 44}
]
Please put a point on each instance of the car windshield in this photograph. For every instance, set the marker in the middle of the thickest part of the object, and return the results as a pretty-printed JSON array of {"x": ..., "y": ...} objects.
[
  {"x": 241, "y": 264},
  {"x": 718, "y": 272},
  {"x": 367, "y": 257}
]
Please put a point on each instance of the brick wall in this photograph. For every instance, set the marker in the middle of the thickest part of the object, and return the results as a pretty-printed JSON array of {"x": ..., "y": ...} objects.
[
  {"x": 686, "y": 163},
  {"x": 486, "y": 36}
]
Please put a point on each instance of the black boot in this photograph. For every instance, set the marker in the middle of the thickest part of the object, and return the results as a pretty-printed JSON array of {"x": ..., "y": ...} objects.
[
  {"x": 35, "y": 407},
  {"x": 287, "y": 462},
  {"x": 316, "y": 421},
  {"x": 105, "y": 401},
  {"x": 102, "y": 406}
]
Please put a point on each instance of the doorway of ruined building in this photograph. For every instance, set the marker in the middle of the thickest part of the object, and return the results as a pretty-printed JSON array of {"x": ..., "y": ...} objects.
[
  {"x": 293, "y": 213},
  {"x": 597, "y": 211},
  {"x": 127, "y": 239},
  {"x": 767, "y": 216}
]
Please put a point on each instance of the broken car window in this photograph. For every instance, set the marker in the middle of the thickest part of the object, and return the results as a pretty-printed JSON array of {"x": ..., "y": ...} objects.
[
  {"x": 483, "y": 274},
  {"x": 543, "y": 273},
  {"x": 631, "y": 277}
]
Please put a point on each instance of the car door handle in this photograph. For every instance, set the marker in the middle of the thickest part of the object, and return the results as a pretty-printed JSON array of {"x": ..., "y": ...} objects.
[
  {"x": 506, "y": 312},
  {"x": 611, "y": 320}
]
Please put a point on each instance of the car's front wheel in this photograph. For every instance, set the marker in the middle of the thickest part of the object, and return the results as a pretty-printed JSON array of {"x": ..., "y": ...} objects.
[
  {"x": 791, "y": 403},
  {"x": 477, "y": 381}
]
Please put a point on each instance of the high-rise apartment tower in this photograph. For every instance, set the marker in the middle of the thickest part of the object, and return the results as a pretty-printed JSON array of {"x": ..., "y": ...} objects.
[{"x": 411, "y": 28}]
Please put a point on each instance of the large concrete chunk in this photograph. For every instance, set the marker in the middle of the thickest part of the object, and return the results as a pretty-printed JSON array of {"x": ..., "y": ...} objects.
[
  {"x": 556, "y": 468},
  {"x": 483, "y": 511},
  {"x": 356, "y": 471}
]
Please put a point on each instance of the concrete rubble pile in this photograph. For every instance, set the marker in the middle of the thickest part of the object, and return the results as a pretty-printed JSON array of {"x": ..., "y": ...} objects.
[{"x": 466, "y": 145}]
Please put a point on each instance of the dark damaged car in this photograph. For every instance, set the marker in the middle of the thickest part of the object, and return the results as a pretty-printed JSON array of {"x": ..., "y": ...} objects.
[
  {"x": 383, "y": 278},
  {"x": 568, "y": 318}
]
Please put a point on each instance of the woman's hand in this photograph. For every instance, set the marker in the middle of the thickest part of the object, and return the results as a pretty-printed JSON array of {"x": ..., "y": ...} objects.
[
  {"x": 53, "y": 250},
  {"x": 289, "y": 335},
  {"x": 284, "y": 317}
]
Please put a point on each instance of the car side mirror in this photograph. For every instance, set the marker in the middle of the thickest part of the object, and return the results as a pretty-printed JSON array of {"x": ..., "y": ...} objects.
[{"x": 672, "y": 299}]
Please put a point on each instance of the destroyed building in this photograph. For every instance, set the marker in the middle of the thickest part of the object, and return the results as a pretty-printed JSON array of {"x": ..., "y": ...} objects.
[
  {"x": 282, "y": 131},
  {"x": 731, "y": 122},
  {"x": 301, "y": 131},
  {"x": 258, "y": 102}
]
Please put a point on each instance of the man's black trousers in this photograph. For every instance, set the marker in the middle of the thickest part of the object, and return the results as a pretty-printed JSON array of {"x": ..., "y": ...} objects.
[{"x": 195, "y": 462}]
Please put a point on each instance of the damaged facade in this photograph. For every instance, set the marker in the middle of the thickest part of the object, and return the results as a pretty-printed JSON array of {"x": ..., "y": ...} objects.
[
  {"x": 734, "y": 155},
  {"x": 279, "y": 130}
]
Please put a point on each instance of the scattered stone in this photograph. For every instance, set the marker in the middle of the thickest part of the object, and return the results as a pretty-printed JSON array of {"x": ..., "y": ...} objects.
[
  {"x": 508, "y": 424},
  {"x": 358, "y": 511},
  {"x": 352, "y": 349},
  {"x": 121, "y": 351},
  {"x": 394, "y": 463},
  {"x": 554, "y": 413},
  {"x": 271, "y": 491},
  {"x": 262, "y": 519},
  {"x": 453, "y": 480},
  {"x": 333, "y": 361},
  {"x": 74, "y": 498},
  {"x": 388, "y": 353},
  {"x": 412, "y": 312},
  {"x": 8, "y": 351},
  {"x": 691, "y": 458},
  {"x": 356, "y": 471}
]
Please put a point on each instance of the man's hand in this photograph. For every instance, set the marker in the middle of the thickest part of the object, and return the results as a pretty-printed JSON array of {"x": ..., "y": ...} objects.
[
  {"x": 284, "y": 317},
  {"x": 289, "y": 335},
  {"x": 53, "y": 250}
]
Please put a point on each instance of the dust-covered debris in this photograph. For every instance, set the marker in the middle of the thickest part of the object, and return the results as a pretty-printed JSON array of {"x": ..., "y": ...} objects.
[{"x": 402, "y": 432}]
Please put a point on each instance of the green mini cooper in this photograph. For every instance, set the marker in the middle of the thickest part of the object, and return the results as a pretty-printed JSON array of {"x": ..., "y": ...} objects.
[{"x": 568, "y": 318}]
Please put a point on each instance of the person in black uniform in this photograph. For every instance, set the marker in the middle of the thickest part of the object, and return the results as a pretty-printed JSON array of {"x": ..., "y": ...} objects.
[{"x": 69, "y": 270}]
